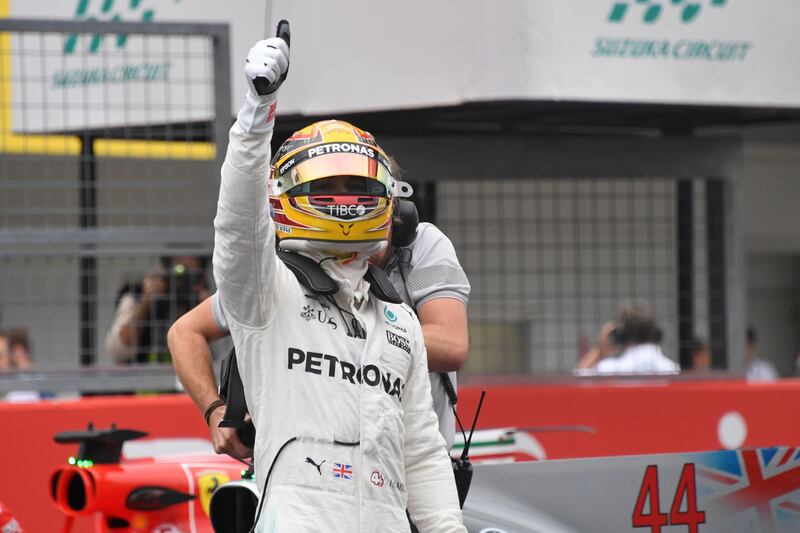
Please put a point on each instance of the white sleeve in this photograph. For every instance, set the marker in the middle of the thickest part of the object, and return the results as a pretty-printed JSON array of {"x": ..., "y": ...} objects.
[
  {"x": 431, "y": 488},
  {"x": 217, "y": 313},
  {"x": 607, "y": 366},
  {"x": 667, "y": 365},
  {"x": 435, "y": 271},
  {"x": 115, "y": 349},
  {"x": 245, "y": 263}
]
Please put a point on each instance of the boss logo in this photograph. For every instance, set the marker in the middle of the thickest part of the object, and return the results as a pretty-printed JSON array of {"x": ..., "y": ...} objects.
[{"x": 399, "y": 341}]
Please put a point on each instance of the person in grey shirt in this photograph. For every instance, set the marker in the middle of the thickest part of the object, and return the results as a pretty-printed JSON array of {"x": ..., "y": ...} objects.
[
  {"x": 426, "y": 274},
  {"x": 429, "y": 278}
]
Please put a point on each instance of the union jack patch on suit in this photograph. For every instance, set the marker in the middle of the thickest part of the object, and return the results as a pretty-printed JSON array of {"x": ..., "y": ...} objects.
[{"x": 342, "y": 470}]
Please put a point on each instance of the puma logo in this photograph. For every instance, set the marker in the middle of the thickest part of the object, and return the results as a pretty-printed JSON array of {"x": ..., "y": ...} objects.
[
  {"x": 346, "y": 231},
  {"x": 310, "y": 461}
]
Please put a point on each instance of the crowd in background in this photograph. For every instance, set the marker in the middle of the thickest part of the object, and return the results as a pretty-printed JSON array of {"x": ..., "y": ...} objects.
[
  {"x": 145, "y": 310},
  {"x": 631, "y": 343},
  {"x": 15, "y": 355},
  {"x": 15, "y": 350}
]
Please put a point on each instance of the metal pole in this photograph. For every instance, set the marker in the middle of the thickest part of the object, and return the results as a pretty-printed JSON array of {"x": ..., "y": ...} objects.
[
  {"x": 685, "y": 235},
  {"x": 736, "y": 310},
  {"x": 88, "y": 263},
  {"x": 717, "y": 272},
  {"x": 222, "y": 92}
]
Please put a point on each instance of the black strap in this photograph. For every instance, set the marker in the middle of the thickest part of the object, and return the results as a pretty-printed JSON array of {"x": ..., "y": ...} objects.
[
  {"x": 313, "y": 277},
  {"x": 232, "y": 391},
  {"x": 308, "y": 272},
  {"x": 380, "y": 286}
]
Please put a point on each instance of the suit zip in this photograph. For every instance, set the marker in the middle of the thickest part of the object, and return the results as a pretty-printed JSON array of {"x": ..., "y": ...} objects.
[{"x": 361, "y": 427}]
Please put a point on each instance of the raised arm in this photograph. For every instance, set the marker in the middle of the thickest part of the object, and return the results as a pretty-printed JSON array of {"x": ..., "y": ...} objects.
[{"x": 245, "y": 263}]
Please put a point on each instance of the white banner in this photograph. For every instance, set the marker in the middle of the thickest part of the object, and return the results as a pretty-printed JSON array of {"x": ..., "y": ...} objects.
[
  {"x": 360, "y": 55},
  {"x": 70, "y": 82},
  {"x": 420, "y": 53}
]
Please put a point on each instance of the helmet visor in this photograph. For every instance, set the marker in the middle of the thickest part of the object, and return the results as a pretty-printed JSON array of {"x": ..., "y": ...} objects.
[
  {"x": 327, "y": 166},
  {"x": 341, "y": 186}
]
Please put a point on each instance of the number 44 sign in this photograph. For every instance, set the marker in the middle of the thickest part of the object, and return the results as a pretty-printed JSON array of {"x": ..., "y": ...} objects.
[
  {"x": 726, "y": 491},
  {"x": 686, "y": 491}
]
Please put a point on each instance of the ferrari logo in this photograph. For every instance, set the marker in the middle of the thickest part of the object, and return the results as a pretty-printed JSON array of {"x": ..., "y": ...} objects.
[{"x": 206, "y": 485}]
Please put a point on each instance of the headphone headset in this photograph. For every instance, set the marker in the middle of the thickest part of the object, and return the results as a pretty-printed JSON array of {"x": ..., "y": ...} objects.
[
  {"x": 405, "y": 220},
  {"x": 637, "y": 329}
]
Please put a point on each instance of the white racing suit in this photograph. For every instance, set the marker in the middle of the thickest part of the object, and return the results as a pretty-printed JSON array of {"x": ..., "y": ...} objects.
[{"x": 307, "y": 376}]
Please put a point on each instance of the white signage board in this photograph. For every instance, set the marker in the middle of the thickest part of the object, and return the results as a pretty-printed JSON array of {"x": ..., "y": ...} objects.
[
  {"x": 359, "y": 55},
  {"x": 63, "y": 82},
  {"x": 417, "y": 53}
]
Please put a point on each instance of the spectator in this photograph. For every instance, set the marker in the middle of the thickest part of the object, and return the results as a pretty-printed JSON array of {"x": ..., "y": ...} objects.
[
  {"x": 5, "y": 361},
  {"x": 5, "y": 352},
  {"x": 19, "y": 355},
  {"x": 605, "y": 348},
  {"x": 757, "y": 369},
  {"x": 19, "y": 349},
  {"x": 639, "y": 337},
  {"x": 701, "y": 355},
  {"x": 145, "y": 311}
]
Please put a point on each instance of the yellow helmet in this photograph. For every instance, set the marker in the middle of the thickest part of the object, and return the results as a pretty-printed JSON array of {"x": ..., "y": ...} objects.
[{"x": 331, "y": 184}]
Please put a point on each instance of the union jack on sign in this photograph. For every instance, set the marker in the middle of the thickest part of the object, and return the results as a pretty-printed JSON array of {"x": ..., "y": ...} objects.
[
  {"x": 757, "y": 487},
  {"x": 342, "y": 470}
]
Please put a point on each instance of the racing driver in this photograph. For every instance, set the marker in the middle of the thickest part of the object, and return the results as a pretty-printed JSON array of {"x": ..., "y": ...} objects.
[{"x": 346, "y": 435}]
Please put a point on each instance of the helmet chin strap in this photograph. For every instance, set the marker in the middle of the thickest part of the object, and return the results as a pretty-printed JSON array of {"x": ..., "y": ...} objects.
[{"x": 346, "y": 267}]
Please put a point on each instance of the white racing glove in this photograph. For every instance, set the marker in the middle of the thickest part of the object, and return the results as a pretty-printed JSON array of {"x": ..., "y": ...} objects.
[
  {"x": 265, "y": 70},
  {"x": 267, "y": 59}
]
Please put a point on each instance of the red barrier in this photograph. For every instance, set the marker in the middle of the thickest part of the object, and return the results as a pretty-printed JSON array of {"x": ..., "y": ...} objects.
[
  {"x": 628, "y": 419},
  {"x": 644, "y": 418}
]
